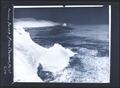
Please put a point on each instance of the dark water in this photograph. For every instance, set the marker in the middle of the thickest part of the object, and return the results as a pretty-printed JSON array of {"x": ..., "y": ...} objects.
[
  {"x": 89, "y": 37},
  {"x": 73, "y": 37}
]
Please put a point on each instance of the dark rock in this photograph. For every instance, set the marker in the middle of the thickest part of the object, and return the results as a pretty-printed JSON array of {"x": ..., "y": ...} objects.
[
  {"x": 40, "y": 67},
  {"x": 46, "y": 75}
]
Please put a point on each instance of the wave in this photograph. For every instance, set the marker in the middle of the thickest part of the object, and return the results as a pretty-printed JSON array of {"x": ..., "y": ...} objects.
[
  {"x": 28, "y": 55},
  {"x": 62, "y": 64},
  {"x": 30, "y": 22},
  {"x": 86, "y": 67}
]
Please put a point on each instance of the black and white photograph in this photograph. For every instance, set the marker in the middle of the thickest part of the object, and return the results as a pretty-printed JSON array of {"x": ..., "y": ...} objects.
[{"x": 62, "y": 44}]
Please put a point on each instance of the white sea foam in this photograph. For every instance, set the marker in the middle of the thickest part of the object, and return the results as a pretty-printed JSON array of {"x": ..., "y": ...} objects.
[
  {"x": 95, "y": 69},
  {"x": 30, "y": 22},
  {"x": 28, "y": 55}
]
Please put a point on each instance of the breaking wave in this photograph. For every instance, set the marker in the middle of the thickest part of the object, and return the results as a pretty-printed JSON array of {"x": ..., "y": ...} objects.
[
  {"x": 83, "y": 61},
  {"x": 28, "y": 55}
]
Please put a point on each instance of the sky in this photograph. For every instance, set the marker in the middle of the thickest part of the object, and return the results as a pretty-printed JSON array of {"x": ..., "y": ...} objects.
[{"x": 80, "y": 16}]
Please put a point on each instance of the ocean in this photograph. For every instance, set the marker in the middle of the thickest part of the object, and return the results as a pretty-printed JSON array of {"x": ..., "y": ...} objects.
[{"x": 91, "y": 45}]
